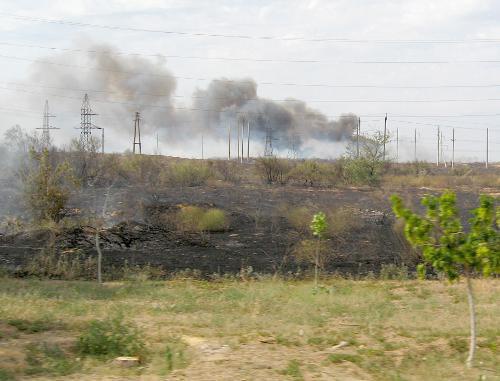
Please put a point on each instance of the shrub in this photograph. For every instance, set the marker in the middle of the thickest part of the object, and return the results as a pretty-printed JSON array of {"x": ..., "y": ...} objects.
[
  {"x": 196, "y": 219},
  {"x": 44, "y": 358},
  {"x": 392, "y": 271},
  {"x": 213, "y": 220},
  {"x": 227, "y": 170},
  {"x": 273, "y": 170},
  {"x": 343, "y": 220},
  {"x": 188, "y": 174},
  {"x": 111, "y": 338},
  {"x": 299, "y": 217},
  {"x": 366, "y": 166},
  {"x": 313, "y": 173},
  {"x": 140, "y": 169},
  {"x": 68, "y": 266},
  {"x": 47, "y": 187},
  {"x": 188, "y": 218}
]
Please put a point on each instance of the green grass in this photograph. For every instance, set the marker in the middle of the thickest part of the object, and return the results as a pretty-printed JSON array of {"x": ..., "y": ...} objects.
[
  {"x": 394, "y": 329},
  {"x": 293, "y": 370}
]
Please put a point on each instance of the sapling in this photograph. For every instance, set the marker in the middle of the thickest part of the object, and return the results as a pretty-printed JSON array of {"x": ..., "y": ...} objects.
[
  {"x": 449, "y": 249},
  {"x": 318, "y": 228}
]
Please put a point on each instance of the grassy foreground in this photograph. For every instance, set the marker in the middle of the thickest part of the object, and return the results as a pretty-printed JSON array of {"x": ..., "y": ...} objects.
[{"x": 258, "y": 330}]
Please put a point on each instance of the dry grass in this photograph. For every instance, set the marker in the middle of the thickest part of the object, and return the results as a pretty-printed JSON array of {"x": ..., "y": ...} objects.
[{"x": 266, "y": 330}]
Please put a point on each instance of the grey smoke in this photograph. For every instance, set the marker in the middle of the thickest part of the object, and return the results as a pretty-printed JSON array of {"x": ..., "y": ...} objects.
[{"x": 132, "y": 83}]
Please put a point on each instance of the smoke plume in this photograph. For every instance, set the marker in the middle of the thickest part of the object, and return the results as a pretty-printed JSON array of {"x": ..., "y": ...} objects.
[{"x": 120, "y": 84}]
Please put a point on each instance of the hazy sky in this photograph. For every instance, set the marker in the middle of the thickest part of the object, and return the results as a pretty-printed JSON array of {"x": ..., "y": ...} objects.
[{"x": 450, "y": 37}]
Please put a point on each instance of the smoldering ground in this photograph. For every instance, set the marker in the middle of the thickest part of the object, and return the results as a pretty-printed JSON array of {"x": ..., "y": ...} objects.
[{"x": 120, "y": 84}]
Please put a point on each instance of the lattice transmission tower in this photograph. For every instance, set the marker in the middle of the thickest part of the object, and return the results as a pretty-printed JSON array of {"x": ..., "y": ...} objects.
[
  {"x": 86, "y": 125},
  {"x": 137, "y": 133},
  {"x": 268, "y": 150},
  {"x": 46, "y": 127}
]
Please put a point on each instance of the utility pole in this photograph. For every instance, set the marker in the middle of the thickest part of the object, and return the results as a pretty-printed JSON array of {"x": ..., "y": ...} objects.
[
  {"x": 453, "y": 149},
  {"x": 357, "y": 137},
  {"x": 238, "y": 136},
  {"x": 229, "y": 140},
  {"x": 102, "y": 138},
  {"x": 242, "y": 140},
  {"x": 487, "y": 147},
  {"x": 385, "y": 132},
  {"x": 443, "y": 159},
  {"x": 397, "y": 144},
  {"x": 268, "y": 150},
  {"x": 248, "y": 141},
  {"x": 438, "y": 147},
  {"x": 157, "y": 144},
  {"x": 415, "y": 146},
  {"x": 137, "y": 133},
  {"x": 86, "y": 125},
  {"x": 46, "y": 127},
  {"x": 202, "y": 153}
]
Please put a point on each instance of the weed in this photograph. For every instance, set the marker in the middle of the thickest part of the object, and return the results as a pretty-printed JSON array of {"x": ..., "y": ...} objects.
[
  {"x": 32, "y": 326},
  {"x": 110, "y": 338},
  {"x": 337, "y": 358},
  {"x": 293, "y": 370},
  {"x": 6, "y": 375},
  {"x": 44, "y": 358},
  {"x": 393, "y": 272},
  {"x": 458, "y": 344}
]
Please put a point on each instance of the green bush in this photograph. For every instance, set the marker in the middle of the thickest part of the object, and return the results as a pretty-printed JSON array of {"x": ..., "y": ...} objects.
[
  {"x": 213, "y": 220},
  {"x": 111, "y": 338},
  {"x": 188, "y": 174},
  {"x": 313, "y": 173},
  {"x": 33, "y": 326},
  {"x": 44, "y": 358},
  {"x": 195, "y": 219}
]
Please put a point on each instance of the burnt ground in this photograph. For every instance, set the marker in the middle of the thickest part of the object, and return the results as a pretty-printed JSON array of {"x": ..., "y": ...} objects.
[{"x": 260, "y": 238}]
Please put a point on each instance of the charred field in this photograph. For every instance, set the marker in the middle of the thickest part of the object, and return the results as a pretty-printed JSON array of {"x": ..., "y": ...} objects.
[{"x": 265, "y": 228}]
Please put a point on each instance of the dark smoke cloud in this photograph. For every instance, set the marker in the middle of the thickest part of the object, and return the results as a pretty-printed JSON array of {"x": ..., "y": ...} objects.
[
  {"x": 237, "y": 101},
  {"x": 132, "y": 83}
]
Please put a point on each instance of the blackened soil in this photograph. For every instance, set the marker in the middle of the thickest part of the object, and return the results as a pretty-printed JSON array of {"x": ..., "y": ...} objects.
[{"x": 259, "y": 238}]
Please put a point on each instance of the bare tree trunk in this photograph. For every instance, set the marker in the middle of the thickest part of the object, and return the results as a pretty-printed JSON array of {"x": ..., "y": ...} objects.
[
  {"x": 316, "y": 265},
  {"x": 97, "y": 237},
  {"x": 99, "y": 257},
  {"x": 472, "y": 312}
]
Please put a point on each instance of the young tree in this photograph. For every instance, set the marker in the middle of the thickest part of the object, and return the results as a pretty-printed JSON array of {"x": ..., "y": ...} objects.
[
  {"x": 47, "y": 187},
  {"x": 319, "y": 225},
  {"x": 449, "y": 249},
  {"x": 365, "y": 159}
]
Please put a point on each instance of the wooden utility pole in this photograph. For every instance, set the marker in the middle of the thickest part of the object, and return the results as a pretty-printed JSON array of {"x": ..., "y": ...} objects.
[
  {"x": 248, "y": 141},
  {"x": 357, "y": 137},
  {"x": 415, "y": 146},
  {"x": 487, "y": 147},
  {"x": 238, "y": 141},
  {"x": 438, "y": 147},
  {"x": 453, "y": 149},
  {"x": 397, "y": 145},
  {"x": 385, "y": 133},
  {"x": 202, "y": 147},
  {"x": 229, "y": 140},
  {"x": 242, "y": 140}
]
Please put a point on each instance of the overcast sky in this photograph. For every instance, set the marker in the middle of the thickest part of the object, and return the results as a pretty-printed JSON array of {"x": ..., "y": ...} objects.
[{"x": 451, "y": 37}]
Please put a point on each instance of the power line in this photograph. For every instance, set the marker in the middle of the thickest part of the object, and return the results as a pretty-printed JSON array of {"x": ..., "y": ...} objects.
[
  {"x": 176, "y": 77},
  {"x": 249, "y": 59},
  {"x": 253, "y": 37},
  {"x": 291, "y": 100}
]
